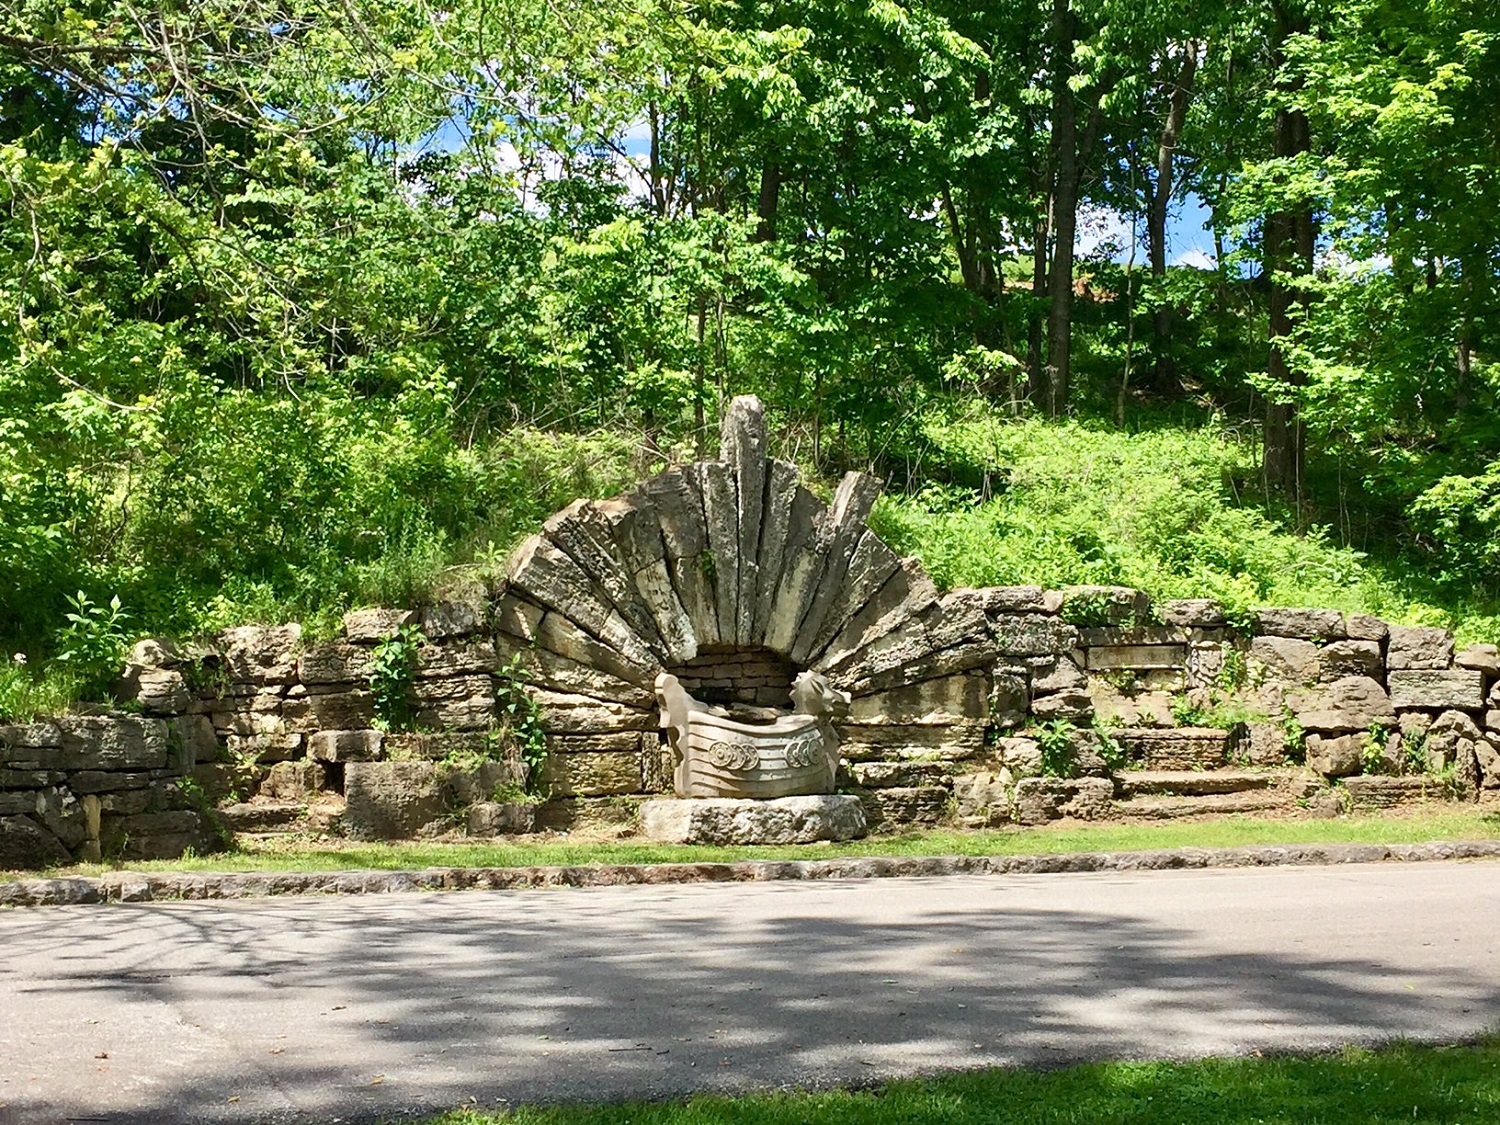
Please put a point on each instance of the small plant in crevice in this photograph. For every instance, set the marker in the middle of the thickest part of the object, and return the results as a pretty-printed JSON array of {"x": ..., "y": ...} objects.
[
  {"x": 1110, "y": 749},
  {"x": 1372, "y": 749},
  {"x": 1414, "y": 754},
  {"x": 1293, "y": 736},
  {"x": 523, "y": 717},
  {"x": 1059, "y": 756},
  {"x": 1233, "y": 672},
  {"x": 393, "y": 671},
  {"x": 1091, "y": 611}
]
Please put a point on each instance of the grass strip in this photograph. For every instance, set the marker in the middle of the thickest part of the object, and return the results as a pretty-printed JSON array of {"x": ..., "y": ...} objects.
[
  {"x": 294, "y": 854},
  {"x": 1407, "y": 1084}
]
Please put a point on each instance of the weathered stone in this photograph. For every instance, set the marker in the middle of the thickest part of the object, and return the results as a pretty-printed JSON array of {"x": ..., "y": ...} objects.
[
  {"x": 1040, "y": 799},
  {"x": 961, "y": 699},
  {"x": 593, "y": 774},
  {"x": 1194, "y": 613},
  {"x": 720, "y": 492},
  {"x": 981, "y": 800},
  {"x": 26, "y": 845},
  {"x": 1021, "y": 599},
  {"x": 1481, "y": 658},
  {"x": 721, "y": 821},
  {"x": 158, "y": 835},
  {"x": 1414, "y": 725},
  {"x": 1487, "y": 751},
  {"x": 1364, "y": 627},
  {"x": 500, "y": 818},
  {"x": 743, "y": 448},
  {"x": 346, "y": 746},
  {"x": 456, "y": 703},
  {"x": 371, "y": 626},
  {"x": 1177, "y": 748},
  {"x": 124, "y": 802},
  {"x": 1419, "y": 647},
  {"x": 278, "y": 746},
  {"x": 615, "y": 815},
  {"x": 1021, "y": 756},
  {"x": 893, "y": 775},
  {"x": 905, "y": 806},
  {"x": 1132, "y": 657},
  {"x": 196, "y": 736},
  {"x": 352, "y": 710},
  {"x": 260, "y": 654},
  {"x": 1010, "y": 700},
  {"x": 1190, "y": 783},
  {"x": 29, "y": 736},
  {"x": 947, "y": 637},
  {"x": 569, "y": 713},
  {"x": 113, "y": 742},
  {"x": 588, "y": 539},
  {"x": 263, "y": 816},
  {"x": 394, "y": 800},
  {"x": 1301, "y": 624},
  {"x": 1351, "y": 658},
  {"x": 1105, "y": 605},
  {"x": 1461, "y": 688},
  {"x": 1287, "y": 659},
  {"x": 550, "y": 577},
  {"x": 335, "y": 664},
  {"x": 676, "y": 498},
  {"x": 452, "y": 618},
  {"x": 63, "y": 815},
  {"x": 1377, "y": 792},
  {"x": 1348, "y": 704},
  {"x": 1124, "y": 636},
  {"x": 1070, "y": 705},
  {"x": 870, "y": 568},
  {"x": 1051, "y": 675},
  {"x": 1335, "y": 756},
  {"x": 159, "y": 691},
  {"x": 1032, "y": 635},
  {"x": 480, "y": 781},
  {"x": 937, "y": 743},
  {"x": 908, "y": 593},
  {"x": 1452, "y": 743},
  {"x": 556, "y": 653},
  {"x": 101, "y": 781},
  {"x": 846, "y": 533}
]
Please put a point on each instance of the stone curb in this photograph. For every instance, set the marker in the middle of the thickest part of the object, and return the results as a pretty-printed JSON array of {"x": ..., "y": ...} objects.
[{"x": 149, "y": 886}]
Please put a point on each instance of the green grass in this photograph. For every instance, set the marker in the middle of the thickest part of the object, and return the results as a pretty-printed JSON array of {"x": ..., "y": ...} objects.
[
  {"x": 297, "y": 855},
  {"x": 1402, "y": 1084}
]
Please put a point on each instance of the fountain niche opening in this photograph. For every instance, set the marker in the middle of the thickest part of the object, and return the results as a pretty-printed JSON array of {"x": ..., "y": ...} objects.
[{"x": 737, "y": 678}]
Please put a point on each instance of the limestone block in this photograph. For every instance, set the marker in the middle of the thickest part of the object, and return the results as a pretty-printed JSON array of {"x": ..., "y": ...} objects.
[
  {"x": 676, "y": 498},
  {"x": 157, "y": 835},
  {"x": 743, "y": 450},
  {"x": 547, "y": 575},
  {"x": 945, "y": 701},
  {"x": 935, "y": 743},
  {"x": 112, "y": 742},
  {"x": 615, "y": 815},
  {"x": 371, "y": 626},
  {"x": 452, "y": 618},
  {"x": 352, "y": 710},
  {"x": 1301, "y": 624},
  {"x": 346, "y": 746},
  {"x": 1419, "y": 647},
  {"x": 159, "y": 691},
  {"x": 500, "y": 818},
  {"x": 457, "y": 658},
  {"x": 1021, "y": 756},
  {"x": 588, "y": 539},
  {"x": 907, "y": 594},
  {"x": 981, "y": 800},
  {"x": 1115, "y": 605},
  {"x": 852, "y": 503},
  {"x": 1032, "y": 635},
  {"x": 1010, "y": 700},
  {"x": 1460, "y": 688},
  {"x": 1287, "y": 660},
  {"x": 1074, "y": 706},
  {"x": 1055, "y": 674},
  {"x": 26, "y": 845},
  {"x": 335, "y": 664},
  {"x": 1480, "y": 658},
  {"x": 722, "y": 821},
  {"x": 1264, "y": 744},
  {"x": 1487, "y": 751},
  {"x": 1021, "y": 599},
  {"x": 196, "y": 736},
  {"x": 469, "y": 784},
  {"x": 578, "y": 675},
  {"x": 62, "y": 814},
  {"x": 394, "y": 800},
  {"x": 1492, "y": 720},
  {"x": 17, "y": 740},
  {"x": 720, "y": 491},
  {"x": 1335, "y": 755},
  {"x": 569, "y": 713},
  {"x": 1351, "y": 658},
  {"x": 108, "y": 781},
  {"x": 1378, "y": 792},
  {"x": 1121, "y": 636},
  {"x": 124, "y": 802},
  {"x": 1131, "y": 657},
  {"x": 872, "y": 565},
  {"x": 592, "y": 774},
  {"x": 1364, "y": 627},
  {"x": 901, "y": 807},
  {"x": 28, "y": 779},
  {"x": 279, "y": 746},
  {"x": 261, "y": 654},
  {"x": 1040, "y": 799},
  {"x": 1452, "y": 741},
  {"x": 1348, "y": 704},
  {"x": 1177, "y": 748},
  {"x": 782, "y": 497},
  {"x": 899, "y": 775},
  {"x": 1193, "y": 613},
  {"x": 456, "y": 703}
]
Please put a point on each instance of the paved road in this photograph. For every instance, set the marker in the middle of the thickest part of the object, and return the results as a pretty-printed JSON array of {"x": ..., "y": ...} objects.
[{"x": 308, "y": 1009}]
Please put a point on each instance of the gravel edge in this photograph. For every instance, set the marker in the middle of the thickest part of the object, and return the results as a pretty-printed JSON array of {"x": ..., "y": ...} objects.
[{"x": 161, "y": 886}]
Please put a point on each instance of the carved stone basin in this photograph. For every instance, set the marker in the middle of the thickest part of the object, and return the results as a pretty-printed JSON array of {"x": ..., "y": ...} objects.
[{"x": 718, "y": 756}]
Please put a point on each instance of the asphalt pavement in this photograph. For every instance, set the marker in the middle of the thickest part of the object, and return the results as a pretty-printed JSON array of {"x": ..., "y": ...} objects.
[{"x": 356, "y": 1009}]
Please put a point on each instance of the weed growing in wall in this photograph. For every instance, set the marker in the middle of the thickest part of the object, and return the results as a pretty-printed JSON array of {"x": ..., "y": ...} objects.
[
  {"x": 523, "y": 716},
  {"x": 1372, "y": 750},
  {"x": 393, "y": 671},
  {"x": 94, "y": 640},
  {"x": 1059, "y": 757}
]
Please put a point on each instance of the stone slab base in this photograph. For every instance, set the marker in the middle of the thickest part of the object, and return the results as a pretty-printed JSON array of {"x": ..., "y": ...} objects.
[{"x": 721, "y": 820}]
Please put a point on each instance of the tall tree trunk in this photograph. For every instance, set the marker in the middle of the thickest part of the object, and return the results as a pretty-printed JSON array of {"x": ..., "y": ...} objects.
[
  {"x": 1289, "y": 237},
  {"x": 1064, "y": 211},
  {"x": 1161, "y": 197},
  {"x": 1471, "y": 284},
  {"x": 770, "y": 198},
  {"x": 1040, "y": 251}
]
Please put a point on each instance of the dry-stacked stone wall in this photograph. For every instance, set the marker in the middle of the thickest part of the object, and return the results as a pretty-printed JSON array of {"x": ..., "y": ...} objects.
[{"x": 976, "y": 707}]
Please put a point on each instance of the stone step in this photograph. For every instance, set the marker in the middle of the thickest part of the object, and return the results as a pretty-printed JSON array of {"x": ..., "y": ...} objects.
[
  {"x": 1216, "y": 804},
  {"x": 264, "y": 817},
  {"x": 1380, "y": 792},
  {"x": 1176, "y": 748},
  {"x": 1191, "y": 783}
]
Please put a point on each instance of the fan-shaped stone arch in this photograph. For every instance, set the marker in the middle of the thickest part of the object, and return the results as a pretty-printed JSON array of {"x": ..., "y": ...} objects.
[{"x": 727, "y": 556}]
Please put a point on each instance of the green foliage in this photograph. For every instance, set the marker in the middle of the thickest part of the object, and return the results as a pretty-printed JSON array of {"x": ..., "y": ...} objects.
[
  {"x": 393, "y": 671},
  {"x": 1293, "y": 736},
  {"x": 1057, "y": 740},
  {"x": 26, "y": 695},
  {"x": 1110, "y": 749},
  {"x": 94, "y": 641},
  {"x": 522, "y": 715},
  {"x": 1372, "y": 749}
]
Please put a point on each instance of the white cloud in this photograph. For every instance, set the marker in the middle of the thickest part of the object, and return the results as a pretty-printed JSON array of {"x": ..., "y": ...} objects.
[{"x": 1197, "y": 259}]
